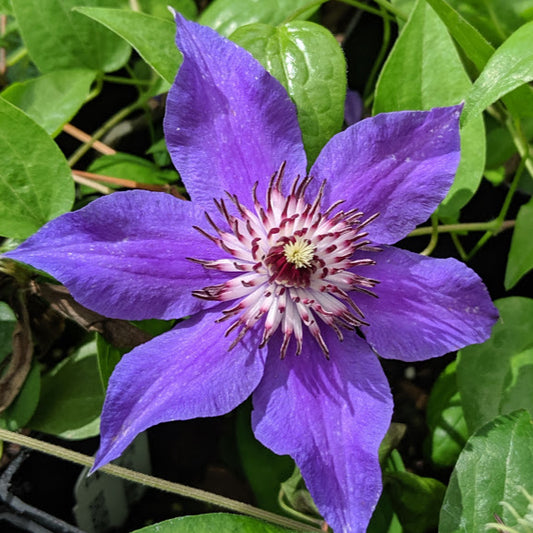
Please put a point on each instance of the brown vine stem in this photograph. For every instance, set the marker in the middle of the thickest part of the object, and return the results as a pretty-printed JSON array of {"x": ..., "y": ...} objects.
[
  {"x": 156, "y": 483},
  {"x": 80, "y": 135}
]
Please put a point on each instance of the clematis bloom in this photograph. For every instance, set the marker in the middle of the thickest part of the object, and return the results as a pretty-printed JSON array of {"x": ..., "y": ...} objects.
[{"x": 289, "y": 277}]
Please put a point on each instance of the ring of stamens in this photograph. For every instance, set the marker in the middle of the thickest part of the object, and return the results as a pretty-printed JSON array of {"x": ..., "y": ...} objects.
[{"x": 291, "y": 264}]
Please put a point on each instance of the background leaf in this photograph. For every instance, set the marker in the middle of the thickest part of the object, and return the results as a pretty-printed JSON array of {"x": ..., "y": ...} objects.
[
  {"x": 71, "y": 397},
  {"x": 35, "y": 185},
  {"x": 152, "y": 37},
  {"x": 8, "y": 321},
  {"x": 308, "y": 61},
  {"x": 495, "y": 463},
  {"x": 510, "y": 66},
  {"x": 67, "y": 89},
  {"x": 207, "y": 523},
  {"x": 520, "y": 260},
  {"x": 226, "y": 16},
  {"x": 59, "y": 38},
  {"x": 445, "y": 419},
  {"x": 422, "y": 52},
  {"x": 488, "y": 374}
]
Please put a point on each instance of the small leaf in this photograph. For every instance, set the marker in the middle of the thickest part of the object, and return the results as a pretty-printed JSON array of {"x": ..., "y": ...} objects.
[
  {"x": 445, "y": 419},
  {"x": 35, "y": 184},
  {"x": 520, "y": 260},
  {"x": 415, "y": 499},
  {"x": 226, "y": 16},
  {"x": 422, "y": 52},
  {"x": 508, "y": 68},
  {"x": 71, "y": 397},
  {"x": 59, "y": 38},
  {"x": 207, "y": 523},
  {"x": 152, "y": 37},
  {"x": 496, "y": 461},
  {"x": 486, "y": 373},
  {"x": 108, "y": 356},
  {"x": 18, "y": 414},
  {"x": 308, "y": 61},
  {"x": 66, "y": 90}
]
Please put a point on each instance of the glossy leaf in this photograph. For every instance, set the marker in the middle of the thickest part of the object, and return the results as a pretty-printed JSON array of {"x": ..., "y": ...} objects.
[
  {"x": 226, "y": 16},
  {"x": 490, "y": 373},
  {"x": 495, "y": 463},
  {"x": 18, "y": 414},
  {"x": 72, "y": 397},
  {"x": 510, "y": 66},
  {"x": 422, "y": 52},
  {"x": 445, "y": 419},
  {"x": 151, "y": 36},
  {"x": 308, "y": 61},
  {"x": 520, "y": 260},
  {"x": 66, "y": 90},
  {"x": 35, "y": 184},
  {"x": 207, "y": 523}
]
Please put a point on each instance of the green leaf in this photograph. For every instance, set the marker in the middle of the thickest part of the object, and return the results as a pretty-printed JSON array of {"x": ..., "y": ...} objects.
[
  {"x": 8, "y": 321},
  {"x": 264, "y": 469},
  {"x": 475, "y": 46},
  {"x": 510, "y": 66},
  {"x": 420, "y": 55},
  {"x": 415, "y": 499},
  {"x": 492, "y": 373},
  {"x": 308, "y": 61},
  {"x": 152, "y": 37},
  {"x": 520, "y": 260},
  {"x": 71, "y": 397},
  {"x": 495, "y": 463},
  {"x": 131, "y": 167},
  {"x": 6, "y": 9},
  {"x": 35, "y": 184},
  {"x": 59, "y": 38},
  {"x": 495, "y": 19},
  {"x": 384, "y": 519},
  {"x": 53, "y": 99},
  {"x": 159, "y": 8},
  {"x": 445, "y": 419},
  {"x": 18, "y": 414},
  {"x": 207, "y": 523},
  {"x": 226, "y": 16},
  {"x": 107, "y": 356}
]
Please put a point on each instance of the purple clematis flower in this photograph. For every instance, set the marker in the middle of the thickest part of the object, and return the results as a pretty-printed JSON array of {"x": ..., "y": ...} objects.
[{"x": 279, "y": 270}]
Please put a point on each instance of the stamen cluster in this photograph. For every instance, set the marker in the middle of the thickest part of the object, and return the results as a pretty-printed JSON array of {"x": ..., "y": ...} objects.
[{"x": 293, "y": 263}]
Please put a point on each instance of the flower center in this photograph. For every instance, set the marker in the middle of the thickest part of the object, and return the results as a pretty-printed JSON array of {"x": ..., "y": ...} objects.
[
  {"x": 299, "y": 253},
  {"x": 291, "y": 264}
]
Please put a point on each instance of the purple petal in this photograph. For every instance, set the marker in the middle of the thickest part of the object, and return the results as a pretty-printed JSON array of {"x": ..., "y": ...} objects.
[
  {"x": 426, "y": 307},
  {"x": 330, "y": 417},
  {"x": 400, "y": 165},
  {"x": 185, "y": 373},
  {"x": 124, "y": 255},
  {"x": 228, "y": 122},
  {"x": 353, "y": 107}
]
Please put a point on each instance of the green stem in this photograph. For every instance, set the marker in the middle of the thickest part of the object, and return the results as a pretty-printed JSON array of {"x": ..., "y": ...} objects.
[
  {"x": 112, "y": 122},
  {"x": 459, "y": 247},
  {"x": 125, "y": 81},
  {"x": 434, "y": 236},
  {"x": 156, "y": 483},
  {"x": 392, "y": 9},
  {"x": 493, "y": 225},
  {"x": 369, "y": 86},
  {"x": 368, "y": 9},
  {"x": 16, "y": 56}
]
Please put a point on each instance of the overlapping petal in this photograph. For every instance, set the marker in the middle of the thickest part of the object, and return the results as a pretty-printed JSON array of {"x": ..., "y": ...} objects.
[
  {"x": 228, "y": 122},
  {"x": 331, "y": 417},
  {"x": 125, "y": 255},
  {"x": 185, "y": 373},
  {"x": 426, "y": 307},
  {"x": 400, "y": 165}
]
